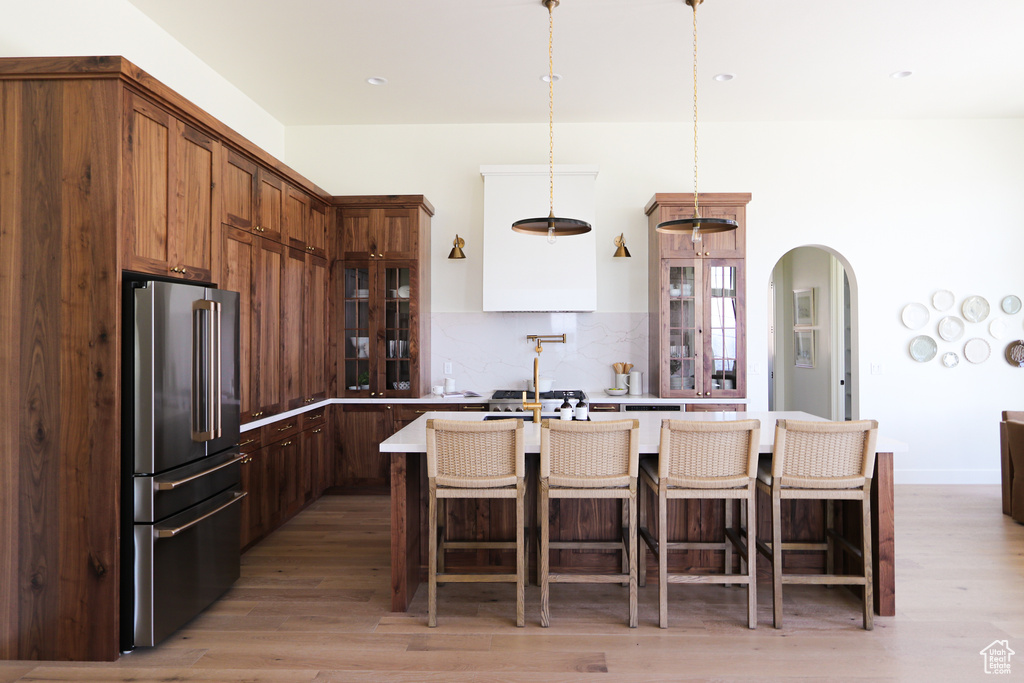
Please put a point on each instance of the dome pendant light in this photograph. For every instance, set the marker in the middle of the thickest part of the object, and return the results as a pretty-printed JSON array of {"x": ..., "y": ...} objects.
[
  {"x": 697, "y": 224},
  {"x": 551, "y": 226}
]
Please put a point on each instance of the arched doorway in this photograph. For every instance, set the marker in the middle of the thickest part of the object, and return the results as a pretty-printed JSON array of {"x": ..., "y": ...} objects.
[{"x": 813, "y": 334}]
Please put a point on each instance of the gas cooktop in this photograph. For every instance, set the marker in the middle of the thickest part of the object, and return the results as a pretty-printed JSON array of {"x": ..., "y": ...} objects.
[{"x": 517, "y": 395}]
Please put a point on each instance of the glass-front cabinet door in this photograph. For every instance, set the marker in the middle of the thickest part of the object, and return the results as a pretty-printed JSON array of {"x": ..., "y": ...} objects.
[
  {"x": 357, "y": 333},
  {"x": 724, "y": 332},
  {"x": 397, "y": 325},
  {"x": 702, "y": 353}
]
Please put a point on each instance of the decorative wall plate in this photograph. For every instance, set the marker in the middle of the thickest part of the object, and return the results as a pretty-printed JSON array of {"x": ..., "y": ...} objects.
[
  {"x": 923, "y": 348},
  {"x": 997, "y": 328},
  {"x": 1010, "y": 304},
  {"x": 951, "y": 328},
  {"x": 975, "y": 309},
  {"x": 943, "y": 300},
  {"x": 977, "y": 350},
  {"x": 915, "y": 316},
  {"x": 950, "y": 359},
  {"x": 1015, "y": 353}
]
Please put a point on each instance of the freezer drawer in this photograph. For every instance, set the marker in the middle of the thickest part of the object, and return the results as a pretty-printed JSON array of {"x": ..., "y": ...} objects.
[
  {"x": 162, "y": 495},
  {"x": 183, "y": 564}
]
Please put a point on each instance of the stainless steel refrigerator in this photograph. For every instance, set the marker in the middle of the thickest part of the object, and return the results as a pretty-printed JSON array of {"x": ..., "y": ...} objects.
[{"x": 180, "y": 511}]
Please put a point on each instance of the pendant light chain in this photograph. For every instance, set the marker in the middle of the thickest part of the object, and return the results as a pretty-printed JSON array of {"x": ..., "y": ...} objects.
[
  {"x": 551, "y": 110},
  {"x": 696, "y": 210}
]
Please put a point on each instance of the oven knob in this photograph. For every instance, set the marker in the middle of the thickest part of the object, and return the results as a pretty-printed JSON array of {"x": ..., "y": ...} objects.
[{"x": 519, "y": 409}]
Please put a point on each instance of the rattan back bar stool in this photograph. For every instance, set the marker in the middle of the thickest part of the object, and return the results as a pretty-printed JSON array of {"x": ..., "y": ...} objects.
[
  {"x": 589, "y": 460},
  {"x": 467, "y": 459},
  {"x": 705, "y": 460},
  {"x": 821, "y": 461}
]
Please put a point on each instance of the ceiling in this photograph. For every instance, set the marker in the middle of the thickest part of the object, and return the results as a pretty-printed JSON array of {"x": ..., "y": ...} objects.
[{"x": 480, "y": 61}]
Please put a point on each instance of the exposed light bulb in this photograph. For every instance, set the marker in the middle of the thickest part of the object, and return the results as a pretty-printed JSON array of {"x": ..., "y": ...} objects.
[
  {"x": 695, "y": 235},
  {"x": 551, "y": 233}
]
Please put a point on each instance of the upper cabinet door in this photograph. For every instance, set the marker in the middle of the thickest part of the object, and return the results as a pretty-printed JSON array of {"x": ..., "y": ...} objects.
[
  {"x": 296, "y": 218},
  {"x": 731, "y": 244},
  {"x": 238, "y": 191},
  {"x": 193, "y": 216},
  {"x": 148, "y": 160},
  {"x": 169, "y": 193},
  {"x": 356, "y": 233},
  {"x": 379, "y": 232},
  {"x": 269, "y": 205},
  {"x": 316, "y": 229}
]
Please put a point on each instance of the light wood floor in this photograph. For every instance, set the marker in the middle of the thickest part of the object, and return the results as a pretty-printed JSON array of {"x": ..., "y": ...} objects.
[{"x": 313, "y": 600}]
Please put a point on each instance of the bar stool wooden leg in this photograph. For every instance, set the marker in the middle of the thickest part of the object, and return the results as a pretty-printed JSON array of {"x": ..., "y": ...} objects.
[
  {"x": 777, "y": 556},
  {"x": 869, "y": 596},
  {"x": 442, "y": 524},
  {"x": 642, "y": 547},
  {"x": 728, "y": 546},
  {"x": 545, "y": 531},
  {"x": 520, "y": 556},
  {"x": 830, "y": 528},
  {"x": 632, "y": 556},
  {"x": 432, "y": 561},
  {"x": 751, "y": 562},
  {"x": 663, "y": 555}
]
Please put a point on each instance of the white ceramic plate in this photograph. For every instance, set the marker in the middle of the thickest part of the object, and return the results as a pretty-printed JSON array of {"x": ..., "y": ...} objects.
[
  {"x": 923, "y": 348},
  {"x": 950, "y": 359},
  {"x": 975, "y": 309},
  {"x": 997, "y": 328},
  {"x": 943, "y": 300},
  {"x": 915, "y": 316},
  {"x": 977, "y": 350},
  {"x": 1010, "y": 304},
  {"x": 951, "y": 328},
  {"x": 616, "y": 392}
]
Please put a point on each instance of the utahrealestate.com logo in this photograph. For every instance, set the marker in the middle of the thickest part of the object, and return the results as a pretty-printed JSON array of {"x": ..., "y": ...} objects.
[{"x": 997, "y": 657}]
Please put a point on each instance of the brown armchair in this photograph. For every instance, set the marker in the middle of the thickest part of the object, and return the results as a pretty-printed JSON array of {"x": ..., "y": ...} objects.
[{"x": 1011, "y": 440}]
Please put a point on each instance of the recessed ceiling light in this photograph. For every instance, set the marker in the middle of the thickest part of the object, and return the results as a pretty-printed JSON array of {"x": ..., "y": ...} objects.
[
  {"x": 724, "y": 77},
  {"x": 554, "y": 77},
  {"x": 377, "y": 80},
  {"x": 901, "y": 74}
]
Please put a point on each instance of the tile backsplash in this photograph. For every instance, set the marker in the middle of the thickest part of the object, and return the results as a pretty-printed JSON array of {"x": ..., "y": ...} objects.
[{"x": 490, "y": 351}]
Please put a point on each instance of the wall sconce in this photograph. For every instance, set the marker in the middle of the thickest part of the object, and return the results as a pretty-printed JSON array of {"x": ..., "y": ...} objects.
[
  {"x": 457, "y": 245},
  {"x": 621, "y": 252}
]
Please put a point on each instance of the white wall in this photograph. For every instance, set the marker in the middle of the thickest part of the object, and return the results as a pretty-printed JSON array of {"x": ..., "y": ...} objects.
[
  {"x": 912, "y": 206},
  {"x": 63, "y": 28},
  {"x": 806, "y": 389}
]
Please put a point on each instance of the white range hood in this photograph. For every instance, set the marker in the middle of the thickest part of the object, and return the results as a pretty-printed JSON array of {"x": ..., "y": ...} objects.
[{"x": 524, "y": 272}]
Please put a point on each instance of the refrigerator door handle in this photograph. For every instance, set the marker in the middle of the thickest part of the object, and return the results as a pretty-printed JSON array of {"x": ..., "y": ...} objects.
[
  {"x": 161, "y": 485},
  {"x": 206, "y": 408},
  {"x": 164, "y": 532}
]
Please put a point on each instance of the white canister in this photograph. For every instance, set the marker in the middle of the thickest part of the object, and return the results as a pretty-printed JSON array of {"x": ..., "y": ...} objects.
[
  {"x": 636, "y": 383},
  {"x": 449, "y": 385},
  {"x": 437, "y": 390}
]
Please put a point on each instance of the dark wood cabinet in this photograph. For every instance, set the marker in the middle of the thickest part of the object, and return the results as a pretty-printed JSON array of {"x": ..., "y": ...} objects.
[
  {"x": 238, "y": 249},
  {"x": 316, "y": 228},
  {"x": 267, "y": 352},
  {"x": 293, "y": 343},
  {"x": 269, "y": 205},
  {"x": 295, "y": 225},
  {"x": 382, "y": 227},
  {"x": 314, "y": 329},
  {"x": 697, "y": 301},
  {"x": 169, "y": 195},
  {"x": 359, "y": 429},
  {"x": 239, "y": 186}
]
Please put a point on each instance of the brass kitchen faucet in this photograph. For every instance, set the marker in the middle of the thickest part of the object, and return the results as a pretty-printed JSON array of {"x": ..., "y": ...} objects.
[{"x": 540, "y": 339}]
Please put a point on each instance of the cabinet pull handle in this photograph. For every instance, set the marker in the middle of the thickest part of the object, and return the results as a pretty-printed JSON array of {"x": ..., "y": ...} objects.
[
  {"x": 285, "y": 443},
  {"x": 310, "y": 400},
  {"x": 380, "y": 255},
  {"x": 257, "y": 414},
  {"x": 247, "y": 442},
  {"x": 317, "y": 431},
  {"x": 285, "y": 428}
]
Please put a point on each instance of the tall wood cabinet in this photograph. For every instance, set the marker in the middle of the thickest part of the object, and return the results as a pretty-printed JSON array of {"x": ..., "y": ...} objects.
[
  {"x": 382, "y": 292},
  {"x": 104, "y": 169},
  {"x": 697, "y": 299}
]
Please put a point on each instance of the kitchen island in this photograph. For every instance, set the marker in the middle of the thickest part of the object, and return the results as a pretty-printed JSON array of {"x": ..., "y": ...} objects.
[{"x": 700, "y": 520}]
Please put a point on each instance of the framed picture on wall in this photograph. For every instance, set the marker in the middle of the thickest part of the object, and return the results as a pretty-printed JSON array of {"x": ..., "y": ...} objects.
[
  {"x": 803, "y": 348},
  {"x": 803, "y": 307}
]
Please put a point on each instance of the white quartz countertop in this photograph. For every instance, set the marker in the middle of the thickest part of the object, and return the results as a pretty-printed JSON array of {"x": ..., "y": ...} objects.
[{"x": 413, "y": 437}]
